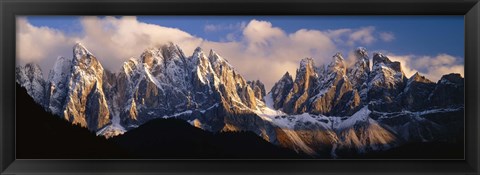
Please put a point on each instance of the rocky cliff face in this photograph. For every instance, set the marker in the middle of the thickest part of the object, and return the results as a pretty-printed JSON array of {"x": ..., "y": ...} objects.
[
  {"x": 359, "y": 72},
  {"x": 324, "y": 110},
  {"x": 74, "y": 89},
  {"x": 386, "y": 82},
  {"x": 163, "y": 82},
  {"x": 335, "y": 94},
  {"x": 382, "y": 107},
  {"x": 306, "y": 78},
  {"x": 340, "y": 91},
  {"x": 258, "y": 89},
  {"x": 86, "y": 103},
  {"x": 416, "y": 92},
  {"x": 280, "y": 90},
  {"x": 154, "y": 85},
  {"x": 448, "y": 92},
  {"x": 57, "y": 85},
  {"x": 30, "y": 76},
  {"x": 320, "y": 90}
]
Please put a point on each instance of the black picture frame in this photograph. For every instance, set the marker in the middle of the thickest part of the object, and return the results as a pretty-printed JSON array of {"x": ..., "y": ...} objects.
[{"x": 9, "y": 9}]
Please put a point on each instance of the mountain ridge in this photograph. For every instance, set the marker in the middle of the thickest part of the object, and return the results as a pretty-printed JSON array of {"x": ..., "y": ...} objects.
[{"x": 303, "y": 114}]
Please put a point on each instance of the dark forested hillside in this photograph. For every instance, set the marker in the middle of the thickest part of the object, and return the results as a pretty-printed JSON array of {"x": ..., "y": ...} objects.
[
  {"x": 174, "y": 138},
  {"x": 41, "y": 135}
]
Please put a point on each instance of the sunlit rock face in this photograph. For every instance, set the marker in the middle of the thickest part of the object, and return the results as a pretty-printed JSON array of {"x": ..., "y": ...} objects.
[
  {"x": 366, "y": 109},
  {"x": 326, "y": 110},
  {"x": 258, "y": 88},
  {"x": 86, "y": 103},
  {"x": 335, "y": 94},
  {"x": 324, "y": 90},
  {"x": 153, "y": 85},
  {"x": 74, "y": 89},
  {"x": 306, "y": 77}
]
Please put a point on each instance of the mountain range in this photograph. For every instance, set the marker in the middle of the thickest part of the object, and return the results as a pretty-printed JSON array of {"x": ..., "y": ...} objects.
[{"x": 329, "y": 109}]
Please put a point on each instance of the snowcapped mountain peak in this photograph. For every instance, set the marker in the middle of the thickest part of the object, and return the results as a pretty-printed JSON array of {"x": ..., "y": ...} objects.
[
  {"x": 153, "y": 55},
  {"x": 57, "y": 85},
  {"x": 386, "y": 82},
  {"x": 212, "y": 52},
  {"x": 280, "y": 90},
  {"x": 306, "y": 70},
  {"x": 61, "y": 59},
  {"x": 30, "y": 76},
  {"x": 337, "y": 63},
  {"x": 287, "y": 76},
  {"x": 452, "y": 78},
  {"x": 306, "y": 63},
  {"x": 380, "y": 60},
  {"x": 419, "y": 78},
  {"x": 382, "y": 63},
  {"x": 202, "y": 67},
  {"x": 60, "y": 69},
  {"x": 337, "y": 60},
  {"x": 378, "y": 54},
  {"x": 361, "y": 55},
  {"x": 214, "y": 56},
  {"x": 130, "y": 65},
  {"x": 358, "y": 73},
  {"x": 172, "y": 51},
  {"x": 198, "y": 53},
  {"x": 258, "y": 89},
  {"x": 84, "y": 59},
  {"x": 150, "y": 57},
  {"x": 338, "y": 56},
  {"x": 32, "y": 68},
  {"x": 198, "y": 49},
  {"x": 80, "y": 51},
  {"x": 82, "y": 90},
  {"x": 361, "y": 51},
  {"x": 217, "y": 60}
]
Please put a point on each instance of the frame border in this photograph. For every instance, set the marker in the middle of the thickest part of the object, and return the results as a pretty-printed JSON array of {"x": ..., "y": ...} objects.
[{"x": 9, "y": 9}]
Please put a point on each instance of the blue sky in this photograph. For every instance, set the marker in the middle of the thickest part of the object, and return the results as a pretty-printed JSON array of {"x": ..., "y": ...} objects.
[{"x": 431, "y": 45}]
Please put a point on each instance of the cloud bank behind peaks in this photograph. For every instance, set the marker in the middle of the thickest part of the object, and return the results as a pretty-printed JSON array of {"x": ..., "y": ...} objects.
[
  {"x": 257, "y": 49},
  {"x": 433, "y": 67}
]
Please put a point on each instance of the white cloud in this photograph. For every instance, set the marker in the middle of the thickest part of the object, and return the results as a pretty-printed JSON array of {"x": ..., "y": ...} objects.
[
  {"x": 387, "y": 36},
  {"x": 40, "y": 44},
  {"x": 266, "y": 52},
  {"x": 432, "y": 67},
  {"x": 210, "y": 28},
  {"x": 364, "y": 36},
  {"x": 114, "y": 40},
  {"x": 261, "y": 35},
  {"x": 358, "y": 36}
]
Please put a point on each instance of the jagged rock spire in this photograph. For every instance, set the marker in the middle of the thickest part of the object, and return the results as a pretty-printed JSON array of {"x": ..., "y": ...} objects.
[{"x": 280, "y": 90}]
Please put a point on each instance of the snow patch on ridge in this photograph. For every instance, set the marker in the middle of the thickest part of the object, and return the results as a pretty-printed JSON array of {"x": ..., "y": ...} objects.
[{"x": 360, "y": 116}]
